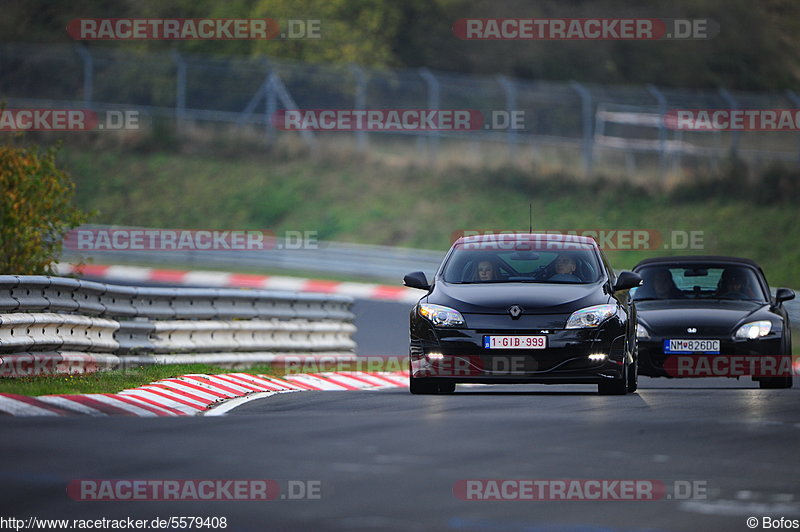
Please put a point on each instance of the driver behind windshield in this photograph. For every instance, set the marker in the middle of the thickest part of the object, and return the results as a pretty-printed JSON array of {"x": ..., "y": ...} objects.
[
  {"x": 486, "y": 271},
  {"x": 565, "y": 267},
  {"x": 733, "y": 285}
]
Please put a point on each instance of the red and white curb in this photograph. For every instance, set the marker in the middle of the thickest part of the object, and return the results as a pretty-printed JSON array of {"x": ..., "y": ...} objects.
[
  {"x": 241, "y": 280},
  {"x": 190, "y": 395}
]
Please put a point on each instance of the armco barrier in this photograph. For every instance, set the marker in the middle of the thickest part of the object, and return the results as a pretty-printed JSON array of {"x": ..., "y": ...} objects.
[
  {"x": 222, "y": 279},
  {"x": 56, "y": 325},
  {"x": 362, "y": 261}
]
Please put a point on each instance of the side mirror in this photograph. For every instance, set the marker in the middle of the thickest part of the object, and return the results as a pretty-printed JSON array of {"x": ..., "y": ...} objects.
[
  {"x": 783, "y": 294},
  {"x": 627, "y": 280},
  {"x": 416, "y": 280}
]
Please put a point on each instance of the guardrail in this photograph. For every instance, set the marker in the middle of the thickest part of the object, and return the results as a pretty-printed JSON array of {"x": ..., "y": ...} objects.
[
  {"x": 63, "y": 325},
  {"x": 357, "y": 260}
]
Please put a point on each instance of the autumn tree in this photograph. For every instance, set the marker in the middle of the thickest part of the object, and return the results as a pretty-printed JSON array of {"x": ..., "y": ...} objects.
[{"x": 36, "y": 210}]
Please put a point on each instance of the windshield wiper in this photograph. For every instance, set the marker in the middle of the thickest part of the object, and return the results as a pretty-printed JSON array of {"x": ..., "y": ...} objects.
[{"x": 479, "y": 282}]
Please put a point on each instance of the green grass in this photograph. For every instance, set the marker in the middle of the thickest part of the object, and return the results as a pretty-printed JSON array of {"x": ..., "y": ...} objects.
[
  {"x": 113, "y": 381},
  {"x": 371, "y": 201},
  {"x": 121, "y": 379}
]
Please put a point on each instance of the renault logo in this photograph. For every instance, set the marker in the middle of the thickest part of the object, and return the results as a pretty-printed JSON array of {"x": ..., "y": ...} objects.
[
  {"x": 691, "y": 330},
  {"x": 515, "y": 311}
]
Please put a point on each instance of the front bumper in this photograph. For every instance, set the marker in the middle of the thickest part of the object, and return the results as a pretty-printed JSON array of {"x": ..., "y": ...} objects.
[
  {"x": 761, "y": 357},
  {"x": 458, "y": 355}
]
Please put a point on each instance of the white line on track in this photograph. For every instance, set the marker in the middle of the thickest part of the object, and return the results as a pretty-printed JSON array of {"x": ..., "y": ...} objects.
[{"x": 226, "y": 406}]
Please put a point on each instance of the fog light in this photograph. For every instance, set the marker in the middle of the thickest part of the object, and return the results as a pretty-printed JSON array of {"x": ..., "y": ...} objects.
[
  {"x": 435, "y": 356},
  {"x": 598, "y": 357}
]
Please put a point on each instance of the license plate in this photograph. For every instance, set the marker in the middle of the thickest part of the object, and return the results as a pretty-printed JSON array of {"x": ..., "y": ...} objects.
[
  {"x": 515, "y": 342},
  {"x": 710, "y": 347}
]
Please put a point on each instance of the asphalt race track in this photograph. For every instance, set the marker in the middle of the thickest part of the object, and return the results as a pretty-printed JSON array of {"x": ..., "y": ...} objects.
[
  {"x": 387, "y": 460},
  {"x": 373, "y": 336}
]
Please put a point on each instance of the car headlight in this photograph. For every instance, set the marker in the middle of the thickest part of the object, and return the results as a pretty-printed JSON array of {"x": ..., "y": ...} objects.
[
  {"x": 753, "y": 330},
  {"x": 441, "y": 316},
  {"x": 590, "y": 316},
  {"x": 641, "y": 332}
]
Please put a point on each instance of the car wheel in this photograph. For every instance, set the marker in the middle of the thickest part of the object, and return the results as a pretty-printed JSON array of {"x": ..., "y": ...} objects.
[
  {"x": 430, "y": 386},
  {"x": 447, "y": 387},
  {"x": 774, "y": 383},
  {"x": 615, "y": 386},
  {"x": 422, "y": 386},
  {"x": 633, "y": 372},
  {"x": 633, "y": 378}
]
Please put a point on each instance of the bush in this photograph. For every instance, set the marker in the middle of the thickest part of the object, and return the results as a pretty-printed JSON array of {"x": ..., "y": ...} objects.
[{"x": 35, "y": 210}]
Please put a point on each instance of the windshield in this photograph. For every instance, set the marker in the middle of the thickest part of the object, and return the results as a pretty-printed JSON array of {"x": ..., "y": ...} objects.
[
  {"x": 526, "y": 262},
  {"x": 698, "y": 281}
]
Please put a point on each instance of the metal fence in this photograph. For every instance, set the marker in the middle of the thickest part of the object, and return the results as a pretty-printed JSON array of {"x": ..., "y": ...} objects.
[
  {"x": 598, "y": 125},
  {"x": 62, "y": 325}
]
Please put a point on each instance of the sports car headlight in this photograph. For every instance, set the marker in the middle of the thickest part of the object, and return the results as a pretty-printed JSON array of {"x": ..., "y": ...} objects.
[
  {"x": 641, "y": 332},
  {"x": 590, "y": 316},
  {"x": 753, "y": 330},
  {"x": 441, "y": 316}
]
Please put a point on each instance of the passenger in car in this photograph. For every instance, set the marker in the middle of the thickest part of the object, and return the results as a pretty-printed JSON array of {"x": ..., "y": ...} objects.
[
  {"x": 664, "y": 286},
  {"x": 659, "y": 284}
]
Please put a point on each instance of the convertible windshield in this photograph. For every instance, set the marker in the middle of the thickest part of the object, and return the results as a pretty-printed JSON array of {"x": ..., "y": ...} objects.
[
  {"x": 527, "y": 263},
  {"x": 699, "y": 281}
]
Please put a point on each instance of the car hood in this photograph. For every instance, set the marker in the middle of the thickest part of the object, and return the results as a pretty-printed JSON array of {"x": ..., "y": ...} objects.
[
  {"x": 707, "y": 316},
  {"x": 534, "y": 298}
]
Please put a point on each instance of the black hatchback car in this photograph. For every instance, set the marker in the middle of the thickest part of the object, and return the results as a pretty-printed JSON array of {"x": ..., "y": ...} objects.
[
  {"x": 523, "y": 308},
  {"x": 712, "y": 317}
]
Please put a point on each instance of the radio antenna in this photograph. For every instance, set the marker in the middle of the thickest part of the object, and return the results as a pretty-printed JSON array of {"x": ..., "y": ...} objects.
[{"x": 530, "y": 218}]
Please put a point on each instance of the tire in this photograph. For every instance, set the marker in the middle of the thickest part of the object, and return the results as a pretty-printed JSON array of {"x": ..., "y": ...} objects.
[
  {"x": 633, "y": 372},
  {"x": 633, "y": 378},
  {"x": 615, "y": 386},
  {"x": 775, "y": 383},
  {"x": 430, "y": 386},
  {"x": 421, "y": 386},
  {"x": 447, "y": 387}
]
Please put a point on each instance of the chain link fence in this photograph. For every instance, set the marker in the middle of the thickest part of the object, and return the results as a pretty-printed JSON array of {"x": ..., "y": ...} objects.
[{"x": 592, "y": 127}]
